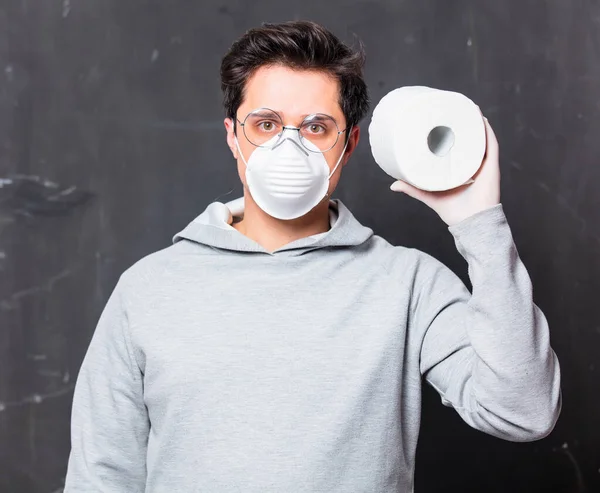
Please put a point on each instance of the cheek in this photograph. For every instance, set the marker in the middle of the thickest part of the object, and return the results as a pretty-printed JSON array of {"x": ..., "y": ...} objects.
[
  {"x": 332, "y": 159},
  {"x": 246, "y": 149},
  {"x": 333, "y": 182},
  {"x": 333, "y": 156},
  {"x": 241, "y": 167}
]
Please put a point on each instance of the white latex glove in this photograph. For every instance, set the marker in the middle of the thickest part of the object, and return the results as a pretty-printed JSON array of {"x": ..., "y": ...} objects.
[{"x": 456, "y": 205}]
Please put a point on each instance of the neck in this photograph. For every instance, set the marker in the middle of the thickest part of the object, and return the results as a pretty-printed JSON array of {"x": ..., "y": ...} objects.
[{"x": 272, "y": 233}]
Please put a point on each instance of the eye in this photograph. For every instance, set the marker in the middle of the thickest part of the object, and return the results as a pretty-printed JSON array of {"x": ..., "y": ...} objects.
[
  {"x": 267, "y": 126},
  {"x": 313, "y": 128}
]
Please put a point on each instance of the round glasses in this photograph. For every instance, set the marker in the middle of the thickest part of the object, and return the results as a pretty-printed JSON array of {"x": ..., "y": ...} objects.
[{"x": 317, "y": 132}]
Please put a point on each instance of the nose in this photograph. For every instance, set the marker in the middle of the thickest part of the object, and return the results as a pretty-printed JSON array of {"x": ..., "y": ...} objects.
[{"x": 294, "y": 141}]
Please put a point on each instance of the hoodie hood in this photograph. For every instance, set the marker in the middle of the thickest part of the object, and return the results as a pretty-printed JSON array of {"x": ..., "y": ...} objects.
[{"x": 214, "y": 228}]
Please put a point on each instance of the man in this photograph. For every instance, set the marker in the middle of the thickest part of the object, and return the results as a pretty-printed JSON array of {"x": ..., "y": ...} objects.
[{"x": 280, "y": 346}]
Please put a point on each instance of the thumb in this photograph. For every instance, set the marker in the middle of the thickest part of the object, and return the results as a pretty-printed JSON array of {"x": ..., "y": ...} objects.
[{"x": 408, "y": 189}]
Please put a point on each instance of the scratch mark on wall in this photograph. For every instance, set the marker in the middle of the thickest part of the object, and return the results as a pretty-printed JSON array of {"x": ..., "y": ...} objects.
[
  {"x": 516, "y": 165},
  {"x": 538, "y": 136},
  {"x": 66, "y": 8},
  {"x": 64, "y": 377},
  {"x": 63, "y": 193},
  {"x": 29, "y": 196},
  {"x": 37, "y": 357},
  {"x": 191, "y": 126},
  {"x": 544, "y": 187},
  {"x": 577, "y": 469},
  {"x": 45, "y": 182},
  {"x": 11, "y": 302},
  {"x": 50, "y": 373},
  {"x": 562, "y": 202},
  {"x": 472, "y": 44},
  {"x": 36, "y": 398}
]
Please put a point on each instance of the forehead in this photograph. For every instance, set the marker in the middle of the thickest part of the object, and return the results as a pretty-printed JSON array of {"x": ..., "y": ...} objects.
[{"x": 292, "y": 93}]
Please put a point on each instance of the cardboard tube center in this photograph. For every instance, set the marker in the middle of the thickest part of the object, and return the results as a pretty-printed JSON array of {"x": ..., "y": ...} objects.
[{"x": 440, "y": 140}]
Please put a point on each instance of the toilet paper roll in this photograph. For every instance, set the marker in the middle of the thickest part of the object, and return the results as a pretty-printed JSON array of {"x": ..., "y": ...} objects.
[{"x": 432, "y": 139}]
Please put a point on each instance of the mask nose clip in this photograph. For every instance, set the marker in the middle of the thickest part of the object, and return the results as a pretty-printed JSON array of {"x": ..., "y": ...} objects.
[{"x": 291, "y": 139}]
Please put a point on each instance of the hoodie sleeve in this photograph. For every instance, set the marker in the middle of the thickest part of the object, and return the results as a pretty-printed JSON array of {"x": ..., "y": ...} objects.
[
  {"x": 109, "y": 423},
  {"x": 488, "y": 353}
]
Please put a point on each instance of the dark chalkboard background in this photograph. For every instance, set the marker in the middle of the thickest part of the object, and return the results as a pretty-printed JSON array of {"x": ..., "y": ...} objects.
[{"x": 111, "y": 140}]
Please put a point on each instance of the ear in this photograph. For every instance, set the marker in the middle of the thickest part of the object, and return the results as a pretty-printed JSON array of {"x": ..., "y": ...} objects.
[
  {"x": 352, "y": 143},
  {"x": 230, "y": 128}
]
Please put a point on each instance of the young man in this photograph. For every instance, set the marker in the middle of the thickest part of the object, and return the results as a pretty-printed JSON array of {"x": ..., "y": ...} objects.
[{"x": 280, "y": 347}]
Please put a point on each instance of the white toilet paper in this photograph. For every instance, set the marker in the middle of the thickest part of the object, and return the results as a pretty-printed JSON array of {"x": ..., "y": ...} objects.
[{"x": 432, "y": 139}]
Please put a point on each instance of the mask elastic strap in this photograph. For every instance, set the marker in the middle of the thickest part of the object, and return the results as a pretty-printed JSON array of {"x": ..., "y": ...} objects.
[
  {"x": 240, "y": 150},
  {"x": 339, "y": 160}
]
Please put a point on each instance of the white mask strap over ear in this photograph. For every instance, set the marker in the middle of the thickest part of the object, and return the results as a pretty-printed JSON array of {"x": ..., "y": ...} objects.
[
  {"x": 340, "y": 159},
  {"x": 237, "y": 143}
]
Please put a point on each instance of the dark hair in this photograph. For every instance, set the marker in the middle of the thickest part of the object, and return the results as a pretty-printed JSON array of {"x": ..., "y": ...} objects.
[{"x": 301, "y": 45}]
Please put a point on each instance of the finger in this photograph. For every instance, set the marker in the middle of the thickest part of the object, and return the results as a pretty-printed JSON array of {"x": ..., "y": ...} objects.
[
  {"x": 408, "y": 189},
  {"x": 491, "y": 140}
]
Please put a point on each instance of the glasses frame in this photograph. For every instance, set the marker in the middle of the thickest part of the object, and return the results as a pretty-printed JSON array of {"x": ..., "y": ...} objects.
[{"x": 290, "y": 127}]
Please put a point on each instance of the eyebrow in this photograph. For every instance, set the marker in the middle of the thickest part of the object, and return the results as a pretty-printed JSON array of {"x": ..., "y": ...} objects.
[
  {"x": 266, "y": 113},
  {"x": 319, "y": 116},
  {"x": 303, "y": 116}
]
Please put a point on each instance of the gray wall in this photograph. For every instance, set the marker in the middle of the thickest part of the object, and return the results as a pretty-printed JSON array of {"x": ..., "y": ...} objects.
[{"x": 111, "y": 139}]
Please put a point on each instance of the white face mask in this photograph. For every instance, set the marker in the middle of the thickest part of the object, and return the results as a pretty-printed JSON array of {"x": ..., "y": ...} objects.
[{"x": 287, "y": 181}]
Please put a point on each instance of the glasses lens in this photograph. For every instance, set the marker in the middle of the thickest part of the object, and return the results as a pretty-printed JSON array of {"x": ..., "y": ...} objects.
[
  {"x": 319, "y": 133},
  {"x": 261, "y": 126}
]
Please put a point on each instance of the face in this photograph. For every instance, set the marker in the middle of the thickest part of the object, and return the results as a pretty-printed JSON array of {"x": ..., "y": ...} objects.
[{"x": 294, "y": 94}]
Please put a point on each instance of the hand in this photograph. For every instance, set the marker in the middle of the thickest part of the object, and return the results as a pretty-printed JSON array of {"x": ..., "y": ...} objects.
[{"x": 456, "y": 205}]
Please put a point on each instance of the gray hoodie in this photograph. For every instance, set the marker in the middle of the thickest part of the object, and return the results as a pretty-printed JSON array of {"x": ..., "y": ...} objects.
[{"x": 217, "y": 366}]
